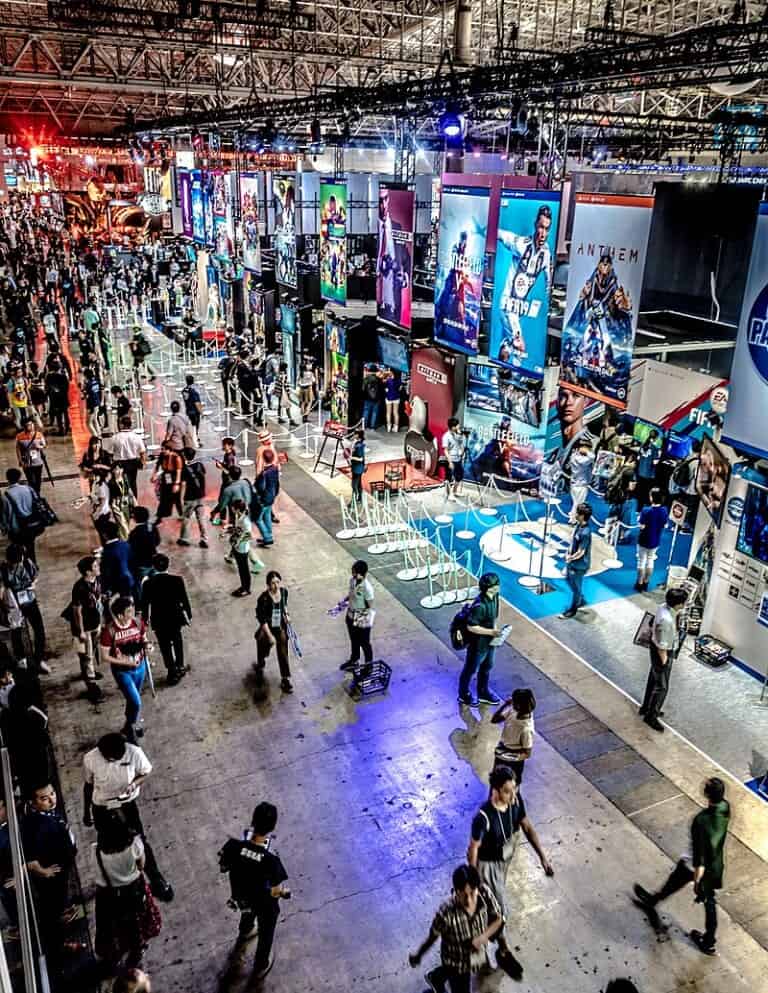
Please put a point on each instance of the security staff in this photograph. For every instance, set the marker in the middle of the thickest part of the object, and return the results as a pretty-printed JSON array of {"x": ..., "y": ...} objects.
[{"x": 256, "y": 878}]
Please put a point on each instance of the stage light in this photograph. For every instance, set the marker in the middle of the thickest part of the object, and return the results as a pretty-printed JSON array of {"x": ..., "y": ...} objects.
[{"x": 450, "y": 124}]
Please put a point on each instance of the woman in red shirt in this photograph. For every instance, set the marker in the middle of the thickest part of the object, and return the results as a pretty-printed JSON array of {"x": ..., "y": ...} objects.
[{"x": 125, "y": 646}]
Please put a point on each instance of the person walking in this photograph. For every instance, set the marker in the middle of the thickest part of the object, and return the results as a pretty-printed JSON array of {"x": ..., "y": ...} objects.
[
  {"x": 653, "y": 520},
  {"x": 116, "y": 565},
  {"x": 30, "y": 452},
  {"x": 257, "y": 880},
  {"x": 240, "y": 533},
  {"x": 179, "y": 433},
  {"x": 705, "y": 868},
  {"x": 516, "y": 744},
  {"x": 454, "y": 446},
  {"x": 192, "y": 496},
  {"x": 227, "y": 461},
  {"x": 121, "y": 501},
  {"x": 237, "y": 488},
  {"x": 265, "y": 493},
  {"x": 647, "y": 458},
  {"x": 57, "y": 388},
  {"x": 85, "y": 622},
  {"x": 665, "y": 643},
  {"x": 129, "y": 451},
  {"x": 193, "y": 406},
  {"x": 581, "y": 465},
  {"x": 283, "y": 394},
  {"x": 125, "y": 647},
  {"x": 464, "y": 925},
  {"x": 168, "y": 469},
  {"x": 18, "y": 517},
  {"x": 19, "y": 574},
  {"x": 579, "y": 559},
  {"x": 273, "y": 620},
  {"x": 143, "y": 541},
  {"x": 166, "y": 607},
  {"x": 482, "y": 628},
  {"x": 360, "y": 616},
  {"x": 357, "y": 466}
]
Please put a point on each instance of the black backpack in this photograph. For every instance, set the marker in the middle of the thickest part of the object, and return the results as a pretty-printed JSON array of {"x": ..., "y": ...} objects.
[{"x": 458, "y": 630}]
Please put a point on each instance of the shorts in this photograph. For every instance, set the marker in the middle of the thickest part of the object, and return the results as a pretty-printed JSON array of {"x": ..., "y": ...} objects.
[
  {"x": 646, "y": 557},
  {"x": 454, "y": 472}
]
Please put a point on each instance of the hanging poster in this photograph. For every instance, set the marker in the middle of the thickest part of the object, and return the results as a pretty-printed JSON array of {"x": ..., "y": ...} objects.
[
  {"x": 222, "y": 241},
  {"x": 460, "y": 264},
  {"x": 219, "y": 193},
  {"x": 284, "y": 203},
  {"x": 185, "y": 203},
  {"x": 249, "y": 201},
  {"x": 208, "y": 207},
  {"x": 608, "y": 246},
  {"x": 394, "y": 260},
  {"x": 196, "y": 201},
  {"x": 333, "y": 242},
  {"x": 744, "y": 426},
  {"x": 339, "y": 387},
  {"x": 525, "y": 254}
]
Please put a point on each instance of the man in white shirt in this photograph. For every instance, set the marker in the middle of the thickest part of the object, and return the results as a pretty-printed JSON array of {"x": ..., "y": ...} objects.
[
  {"x": 129, "y": 451},
  {"x": 665, "y": 642},
  {"x": 454, "y": 446}
]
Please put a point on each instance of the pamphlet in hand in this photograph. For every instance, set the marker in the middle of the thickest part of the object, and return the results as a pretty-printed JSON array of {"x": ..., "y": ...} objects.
[{"x": 495, "y": 642}]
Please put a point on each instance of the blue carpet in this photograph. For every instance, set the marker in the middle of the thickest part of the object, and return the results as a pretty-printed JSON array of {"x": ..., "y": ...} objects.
[
  {"x": 754, "y": 784},
  {"x": 607, "y": 585}
]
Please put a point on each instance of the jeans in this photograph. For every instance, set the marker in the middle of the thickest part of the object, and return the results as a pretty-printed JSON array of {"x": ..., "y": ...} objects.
[
  {"x": 575, "y": 580},
  {"x": 264, "y": 524},
  {"x": 171, "y": 645},
  {"x": 479, "y": 659},
  {"x": 243, "y": 569},
  {"x": 678, "y": 879},
  {"x": 263, "y": 648},
  {"x": 657, "y": 686},
  {"x": 360, "y": 638},
  {"x": 193, "y": 508},
  {"x": 130, "y": 682},
  {"x": 370, "y": 413},
  {"x": 267, "y": 917},
  {"x": 357, "y": 486},
  {"x": 31, "y": 612}
]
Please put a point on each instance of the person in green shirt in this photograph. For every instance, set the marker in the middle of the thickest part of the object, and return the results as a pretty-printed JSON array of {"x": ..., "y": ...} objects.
[{"x": 709, "y": 830}]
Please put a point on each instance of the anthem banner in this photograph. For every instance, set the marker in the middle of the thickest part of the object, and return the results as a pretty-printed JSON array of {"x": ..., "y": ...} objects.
[
  {"x": 394, "y": 260},
  {"x": 249, "y": 209},
  {"x": 333, "y": 242},
  {"x": 525, "y": 256},
  {"x": 608, "y": 246},
  {"x": 744, "y": 426},
  {"x": 284, "y": 203},
  {"x": 462, "y": 233}
]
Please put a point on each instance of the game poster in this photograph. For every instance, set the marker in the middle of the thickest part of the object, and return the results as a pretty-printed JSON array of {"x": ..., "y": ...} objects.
[
  {"x": 460, "y": 263},
  {"x": 222, "y": 240},
  {"x": 333, "y": 242},
  {"x": 525, "y": 257},
  {"x": 284, "y": 203},
  {"x": 607, "y": 260},
  {"x": 394, "y": 262},
  {"x": 219, "y": 194},
  {"x": 185, "y": 202},
  {"x": 339, "y": 387},
  {"x": 249, "y": 202},
  {"x": 198, "y": 211},
  {"x": 208, "y": 207}
]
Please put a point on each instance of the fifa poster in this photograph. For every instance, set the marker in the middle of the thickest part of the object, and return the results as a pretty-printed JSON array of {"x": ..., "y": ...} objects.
[
  {"x": 460, "y": 262},
  {"x": 196, "y": 202},
  {"x": 284, "y": 203},
  {"x": 249, "y": 201},
  {"x": 333, "y": 242},
  {"x": 607, "y": 261},
  {"x": 185, "y": 203},
  {"x": 744, "y": 427},
  {"x": 525, "y": 256},
  {"x": 394, "y": 261}
]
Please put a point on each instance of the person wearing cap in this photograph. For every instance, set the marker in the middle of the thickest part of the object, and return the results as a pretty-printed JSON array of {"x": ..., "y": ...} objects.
[{"x": 482, "y": 628}]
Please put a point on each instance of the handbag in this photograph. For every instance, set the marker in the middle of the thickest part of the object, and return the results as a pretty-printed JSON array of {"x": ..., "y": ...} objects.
[
  {"x": 364, "y": 618},
  {"x": 644, "y": 633}
]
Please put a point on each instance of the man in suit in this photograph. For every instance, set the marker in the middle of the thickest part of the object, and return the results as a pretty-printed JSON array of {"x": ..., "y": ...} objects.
[
  {"x": 393, "y": 264},
  {"x": 165, "y": 605}
]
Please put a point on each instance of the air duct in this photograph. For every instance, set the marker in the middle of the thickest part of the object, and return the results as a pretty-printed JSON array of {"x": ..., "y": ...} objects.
[{"x": 462, "y": 33}]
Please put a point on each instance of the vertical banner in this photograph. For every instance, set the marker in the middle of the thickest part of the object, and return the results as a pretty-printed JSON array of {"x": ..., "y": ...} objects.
[
  {"x": 185, "y": 202},
  {"x": 608, "y": 245},
  {"x": 249, "y": 201},
  {"x": 208, "y": 207},
  {"x": 333, "y": 242},
  {"x": 460, "y": 263},
  {"x": 284, "y": 203},
  {"x": 196, "y": 202},
  {"x": 525, "y": 253},
  {"x": 219, "y": 193},
  {"x": 394, "y": 262},
  {"x": 748, "y": 400}
]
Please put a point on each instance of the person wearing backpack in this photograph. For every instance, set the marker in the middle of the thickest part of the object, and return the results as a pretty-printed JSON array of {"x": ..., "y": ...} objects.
[
  {"x": 57, "y": 388},
  {"x": 481, "y": 628},
  {"x": 265, "y": 491},
  {"x": 93, "y": 393},
  {"x": 193, "y": 405},
  {"x": 682, "y": 482},
  {"x": 192, "y": 496}
]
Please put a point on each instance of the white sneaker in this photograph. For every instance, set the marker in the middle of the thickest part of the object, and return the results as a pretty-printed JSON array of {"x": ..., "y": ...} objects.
[{"x": 44, "y": 668}]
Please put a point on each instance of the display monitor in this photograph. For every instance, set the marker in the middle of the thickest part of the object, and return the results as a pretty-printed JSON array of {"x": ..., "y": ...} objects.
[
  {"x": 753, "y": 529},
  {"x": 677, "y": 445},
  {"x": 712, "y": 478},
  {"x": 393, "y": 352},
  {"x": 641, "y": 430}
]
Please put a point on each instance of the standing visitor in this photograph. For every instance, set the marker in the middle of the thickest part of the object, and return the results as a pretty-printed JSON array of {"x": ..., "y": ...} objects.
[
  {"x": 129, "y": 451},
  {"x": 454, "y": 446},
  {"x": 30, "y": 448},
  {"x": 273, "y": 618},
  {"x": 165, "y": 606},
  {"x": 653, "y": 520},
  {"x": 306, "y": 386},
  {"x": 167, "y": 473},
  {"x": 179, "y": 433},
  {"x": 57, "y": 388},
  {"x": 265, "y": 493},
  {"x": 18, "y": 516},
  {"x": 357, "y": 466},
  {"x": 517, "y": 735},
  {"x": 665, "y": 643},
  {"x": 371, "y": 398},
  {"x": 192, "y": 496},
  {"x": 392, "y": 387},
  {"x": 19, "y": 575},
  {"x": 116, "y": 571},
  {"x": 121, "y": 501},
  {"x": 360, "y": 616},
  {"x": 647, "y": 457},
  {"x": 705, "y": 867},
  {"x": 582, "y": 462},
  {"x": 579, "y": 559},
  {"x": 193, "y": 406},
  {"x": 143, "y": 542},
  {"x": 240, "y": 545},
  {"x": 482, "y": 628},
  {"x": 224, "y": 465},
  {"x": 125, "y": 647},
  {"x": 86, "y": 622}
]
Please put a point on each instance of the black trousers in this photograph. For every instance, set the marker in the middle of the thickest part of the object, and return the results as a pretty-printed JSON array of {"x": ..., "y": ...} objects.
[
  {"x": 32, "y": 613},
  {"x": 267, "y": 919},
  {"x": 60, "y": 416},
  {"x": 263, "y": 648},
  {"x": 680, "y": 877},
  {"x": 169, "y": 499},
  {"x": 171, "y": 646},
  {"x": 34, "y": 474},
  {"x": 359, "y": 638},
  {"x": 243, "y": 569},
  {"x": 657, "y": 687},
  {"x": 458, "y": 982},
  {"x": 131, "y": 469}
]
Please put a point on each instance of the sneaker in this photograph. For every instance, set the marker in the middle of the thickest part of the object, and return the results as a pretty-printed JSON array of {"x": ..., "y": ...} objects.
[
  {"x": 216, "y": 521},
  {"x": 488, "y": 697},
  {"x": 286, "y": 686},
  {"x": 264, "y": 544},
  {"x": 275, "y": 520},
  {"x": 435, "y": 980},
  {"x": 240, "y": 593},
  {"x": 183, "y": 541},
  {"x": 652, "y": 722},
  {"x": 349, "y": 665},
  {"x": 261, "y": 972},
  {"x": 698, "y": 939},
  {"x": 567, "y": 615},
  {"x": 506, "y": 960},
  {"x": 44, "y": 668},
  {"x": 642, "y": 895},
  {"x": 202, "y": 543},
  {"x": 467, "y": 700},
  {"x": 228, "y": 559}
]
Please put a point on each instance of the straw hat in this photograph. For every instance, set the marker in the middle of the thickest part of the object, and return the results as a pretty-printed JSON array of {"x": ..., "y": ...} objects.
[{"x": 265, "y": 438}]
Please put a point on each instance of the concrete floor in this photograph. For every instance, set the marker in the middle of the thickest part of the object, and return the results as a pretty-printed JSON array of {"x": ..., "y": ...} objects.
[{"x": 376, "y": 797}]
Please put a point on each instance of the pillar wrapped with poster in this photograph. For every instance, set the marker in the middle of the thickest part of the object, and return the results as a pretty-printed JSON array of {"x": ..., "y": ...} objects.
[
  {"x": 284, "y": 204},
  {"x": 249, "y": 210},
  {"x": 460, "y": 264},
  {"x": 185, "y": 202},
  {"x": 608, "y": 246},
  {"x": 394, "y": 259},
  {"x": 333, "y": 242}
]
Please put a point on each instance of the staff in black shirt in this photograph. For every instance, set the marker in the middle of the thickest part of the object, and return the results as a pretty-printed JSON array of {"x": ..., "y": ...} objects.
[{"x": 256, "y": 877}]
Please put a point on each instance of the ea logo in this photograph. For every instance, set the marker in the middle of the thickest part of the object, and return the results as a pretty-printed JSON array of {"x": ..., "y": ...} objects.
[
  {"x": 757, "y": 333},
  {"x": 734, "y": 509}
]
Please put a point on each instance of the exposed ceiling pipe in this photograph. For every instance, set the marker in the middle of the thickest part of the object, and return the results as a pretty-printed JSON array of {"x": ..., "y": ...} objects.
[{"x": 462, "y": 33}]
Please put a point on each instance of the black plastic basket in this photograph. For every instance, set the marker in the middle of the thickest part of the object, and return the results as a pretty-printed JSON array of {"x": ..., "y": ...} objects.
[
  {"x": 370, "y": 677},
  {"x": 378, "y": 489},
  {"x": 712, "y": 652}
]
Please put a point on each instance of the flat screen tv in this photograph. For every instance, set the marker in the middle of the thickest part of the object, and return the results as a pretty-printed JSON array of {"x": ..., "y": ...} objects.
[
  {"x": 753, "y": 529},
  {"x": 712, "y": 478},
  {"x": 677, "y": 445},
  {"x": 499, "y": 391},
  {"x": 641, "y": 429},
  {"x": 393, "y": 353}
]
